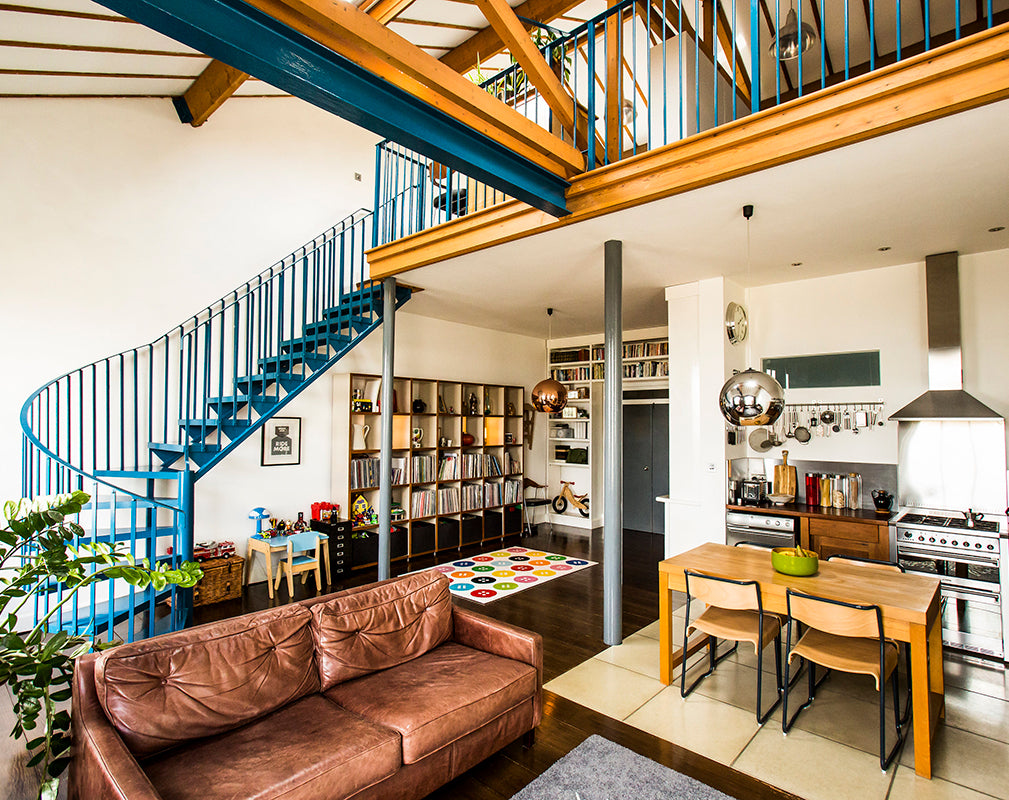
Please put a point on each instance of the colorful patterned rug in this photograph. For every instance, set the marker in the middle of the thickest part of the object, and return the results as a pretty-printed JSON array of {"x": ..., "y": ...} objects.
[{"x": 491, "y": 576}]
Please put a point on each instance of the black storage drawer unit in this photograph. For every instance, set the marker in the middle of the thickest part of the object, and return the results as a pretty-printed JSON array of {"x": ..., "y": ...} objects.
[
  {"x": 448, "y": 533},
  {"x": 339, "y": 545},
  {"x": 421, "y": 538},
  {"x": 472, "y": 528},
  {"x": 364, "y": 550},
  {"x": 400, "y": 545},
  {"x": 492, "y": 525},
  {"x": 513, "y": 520}
]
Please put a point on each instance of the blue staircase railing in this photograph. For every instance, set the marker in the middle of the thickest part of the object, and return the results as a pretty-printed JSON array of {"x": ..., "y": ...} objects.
[
  {"x": 679, "y": 69},
  {"x": 138, "y": 429}
]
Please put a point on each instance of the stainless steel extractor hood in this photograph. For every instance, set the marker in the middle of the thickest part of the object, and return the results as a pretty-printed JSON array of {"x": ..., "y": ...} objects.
[{"x": 945, "y": 398}]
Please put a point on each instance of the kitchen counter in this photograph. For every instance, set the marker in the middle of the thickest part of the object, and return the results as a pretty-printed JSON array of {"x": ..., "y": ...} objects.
[{"x": 817, "y": 512}]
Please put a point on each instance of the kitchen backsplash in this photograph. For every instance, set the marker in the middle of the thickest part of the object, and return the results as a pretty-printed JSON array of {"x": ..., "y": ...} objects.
[{"x": 874, "y": 476}]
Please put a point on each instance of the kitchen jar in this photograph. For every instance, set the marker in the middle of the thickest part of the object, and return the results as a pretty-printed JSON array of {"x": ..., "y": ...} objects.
[
  {"x": 826, "y": 491},
  {"x": 812, "y": 489},
  {"x": 854, "y": 490},
  {"x": 840, "y": 493}
]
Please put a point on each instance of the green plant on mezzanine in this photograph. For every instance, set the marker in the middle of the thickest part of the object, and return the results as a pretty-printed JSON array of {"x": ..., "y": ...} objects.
[{"x": 36, "y": 552}]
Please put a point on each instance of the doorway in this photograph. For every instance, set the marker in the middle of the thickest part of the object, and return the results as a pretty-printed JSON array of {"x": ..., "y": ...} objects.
[{"x": 646, "y": 465}]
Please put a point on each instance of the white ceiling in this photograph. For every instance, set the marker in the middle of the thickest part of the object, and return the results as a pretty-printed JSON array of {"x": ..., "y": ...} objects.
[{"x": 931, "y": 188}]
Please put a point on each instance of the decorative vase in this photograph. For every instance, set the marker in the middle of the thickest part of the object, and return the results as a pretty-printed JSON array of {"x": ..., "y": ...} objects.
[{"x": 360, "y": 441}]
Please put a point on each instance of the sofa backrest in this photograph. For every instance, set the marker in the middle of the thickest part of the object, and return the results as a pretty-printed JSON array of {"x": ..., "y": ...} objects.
[
  {"x": 203, "y": 681},
  {"x": 380, "y": 626}
]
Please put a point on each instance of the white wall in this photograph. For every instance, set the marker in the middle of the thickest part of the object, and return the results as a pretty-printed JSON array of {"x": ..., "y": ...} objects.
[
  {"x": 425, "y": 348},
  {"x": 117, "y": 222},
  {"x": 880, "y": 309}
]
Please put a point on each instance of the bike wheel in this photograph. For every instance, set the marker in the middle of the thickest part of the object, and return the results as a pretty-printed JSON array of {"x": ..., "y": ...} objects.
[
  {"x": 584, "y": 511},
  {"x": 559, "y": 504}
]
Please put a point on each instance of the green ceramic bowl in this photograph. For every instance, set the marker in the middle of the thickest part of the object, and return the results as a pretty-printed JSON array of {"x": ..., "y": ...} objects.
[{"x": 784, "y": 560}]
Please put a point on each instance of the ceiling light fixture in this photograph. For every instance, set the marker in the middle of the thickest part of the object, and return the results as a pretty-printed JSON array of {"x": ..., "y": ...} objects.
[
  {"x": 883, "y": 249},
  {"x": 549, "y": 395},
  {"x": 996, "y": 229},
  {"x": 790, "y": 42},
  {"x": 796, "y": 263}
]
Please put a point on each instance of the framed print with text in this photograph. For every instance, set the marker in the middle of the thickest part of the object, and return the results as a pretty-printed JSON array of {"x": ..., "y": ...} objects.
[{"x": 281, "y": 441}]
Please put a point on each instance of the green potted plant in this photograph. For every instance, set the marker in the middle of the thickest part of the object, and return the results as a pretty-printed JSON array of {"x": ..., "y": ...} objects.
[{"x": 36, "y": 554}]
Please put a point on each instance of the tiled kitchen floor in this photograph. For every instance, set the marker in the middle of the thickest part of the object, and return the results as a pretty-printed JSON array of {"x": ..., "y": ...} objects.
[{"x": 832, "y": 752}]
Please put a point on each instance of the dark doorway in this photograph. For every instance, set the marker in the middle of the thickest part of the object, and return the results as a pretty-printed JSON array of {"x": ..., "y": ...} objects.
[{"x": 646, "y": 465}]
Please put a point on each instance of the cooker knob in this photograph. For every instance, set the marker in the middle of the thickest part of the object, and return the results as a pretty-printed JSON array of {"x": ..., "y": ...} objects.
[
  {"x": 954, "y": 543},
  {"x": 921, "y": 538},
  {"x": 978, "y": 545},
  {"x": 931, "y": 538},
  {"x": 942, "y": 541},
  {"x": 991, "y": 547}
]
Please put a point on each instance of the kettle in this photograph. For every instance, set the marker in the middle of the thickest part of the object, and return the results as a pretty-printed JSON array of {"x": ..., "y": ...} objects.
[{"x": 882, "y": 499}]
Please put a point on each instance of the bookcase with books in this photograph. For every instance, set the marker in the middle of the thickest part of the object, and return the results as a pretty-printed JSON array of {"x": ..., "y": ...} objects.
[
  {"x": 573, "y": 432},
  {"x": 457, "y": 461}
]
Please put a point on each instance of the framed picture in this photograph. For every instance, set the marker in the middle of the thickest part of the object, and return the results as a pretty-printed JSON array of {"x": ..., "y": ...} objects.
[{"x": 281, "y": 441}]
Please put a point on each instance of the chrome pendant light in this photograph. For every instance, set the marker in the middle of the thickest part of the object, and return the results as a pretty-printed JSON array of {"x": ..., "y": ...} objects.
[
  {"x": 790, "y": 41},
  {"x": 549, "y": 395},
  {"x": 751, "y": 398}
]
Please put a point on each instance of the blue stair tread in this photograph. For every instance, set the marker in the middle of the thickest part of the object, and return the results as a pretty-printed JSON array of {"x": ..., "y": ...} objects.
[
  {"x": 70, "y": 619},
  {"x": 125, "y": 501},
  {"x": 124, "y": 535},
  {"x": 212, "y": 424},
  {"x": 139, "y": 472},
  {"x": 311, "y": 343},
  {"x": 269, "y": 377},
  {"x": 171, "y": 447}
]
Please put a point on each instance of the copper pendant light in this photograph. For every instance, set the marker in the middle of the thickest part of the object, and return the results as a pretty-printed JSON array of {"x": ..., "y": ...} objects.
[{"x": 549, "y": 395}]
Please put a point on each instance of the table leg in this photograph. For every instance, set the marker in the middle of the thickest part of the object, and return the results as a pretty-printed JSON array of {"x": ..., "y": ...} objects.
[
  {"x": 248, "y": 563},
  {"x": 665, "y": 630},
  {"x": 325, "y": 560},
  {"x": 937, "y": 688},
  {"x": 269, "y": 570},
  {"x": 922, "y": 718}
]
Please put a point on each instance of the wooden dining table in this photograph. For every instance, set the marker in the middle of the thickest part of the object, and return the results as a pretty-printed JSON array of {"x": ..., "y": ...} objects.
[{"x": 909, "y": 604}]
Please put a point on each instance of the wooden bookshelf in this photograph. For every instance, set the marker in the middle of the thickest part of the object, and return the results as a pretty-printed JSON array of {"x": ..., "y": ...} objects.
[{"x": 451, "y": 494}]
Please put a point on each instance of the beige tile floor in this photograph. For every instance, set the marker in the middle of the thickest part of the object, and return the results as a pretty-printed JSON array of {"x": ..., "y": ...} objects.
[{"x": 832, "y": 752}]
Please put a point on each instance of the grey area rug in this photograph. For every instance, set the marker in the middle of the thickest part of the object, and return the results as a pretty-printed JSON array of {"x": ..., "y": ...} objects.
[{"x": 598, "y": 769}]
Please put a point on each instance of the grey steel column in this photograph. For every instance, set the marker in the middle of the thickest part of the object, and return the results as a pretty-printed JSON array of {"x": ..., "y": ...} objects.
[
  {"x": 613, "y": 437},
  {"x": 385, "y": 456}
]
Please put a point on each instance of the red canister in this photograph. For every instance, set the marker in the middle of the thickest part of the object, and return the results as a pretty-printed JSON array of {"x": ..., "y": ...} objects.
[{"x": 812, "y": 489}]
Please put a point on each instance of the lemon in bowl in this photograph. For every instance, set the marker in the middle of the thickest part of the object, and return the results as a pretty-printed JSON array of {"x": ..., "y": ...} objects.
[{"x": 794, "y": 561}]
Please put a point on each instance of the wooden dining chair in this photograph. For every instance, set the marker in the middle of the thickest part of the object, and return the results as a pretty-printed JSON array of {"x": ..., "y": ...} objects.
[
  {"x": 847, "y": 637},
  {"x": 734, "y": 612},
  {"x": 296, "y": 560},
  {"x": 885, "y": 566}
]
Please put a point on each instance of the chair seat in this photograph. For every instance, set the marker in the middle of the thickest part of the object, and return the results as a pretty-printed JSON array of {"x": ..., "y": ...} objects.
[
  {"x": 303, "y": 560},
  {"x": 845, "y": 653},
  {"x": 438, "y": 697},
  {"x": 737, "y": 626},
  {"x": 290, "y": 754},
  {"x": 541, "y": 501}
]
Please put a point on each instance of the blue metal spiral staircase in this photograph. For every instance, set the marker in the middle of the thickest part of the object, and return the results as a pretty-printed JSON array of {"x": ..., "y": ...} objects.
[{"x": 137, "y": 430}]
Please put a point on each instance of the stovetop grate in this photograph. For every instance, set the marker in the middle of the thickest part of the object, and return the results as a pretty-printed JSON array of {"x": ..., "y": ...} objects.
[{"x": 935, "y": 521}]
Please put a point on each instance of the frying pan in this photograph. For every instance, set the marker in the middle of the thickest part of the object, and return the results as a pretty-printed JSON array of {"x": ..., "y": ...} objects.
[{"x": 802, "y": 434}]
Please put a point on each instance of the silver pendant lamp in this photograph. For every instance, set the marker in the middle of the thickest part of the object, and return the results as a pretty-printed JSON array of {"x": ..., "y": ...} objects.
[
  {"x": 751, "y": 397},
  {"x": 791, "y": 41},
  {"x": 549, "y": 395}
]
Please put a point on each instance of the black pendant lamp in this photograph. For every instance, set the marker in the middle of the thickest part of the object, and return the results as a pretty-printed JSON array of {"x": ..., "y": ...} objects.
[
  {"x": 791, "y": 41},
  {"x": 549, "y": 395}
]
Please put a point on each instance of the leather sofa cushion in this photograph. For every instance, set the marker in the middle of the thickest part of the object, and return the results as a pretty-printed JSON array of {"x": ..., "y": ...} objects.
[
  {"x": 310, "y": 749},
  {"x": 439, "y": 697},
  {"x": 210, "y": 679},
  {"x": 380, "y": 626}
]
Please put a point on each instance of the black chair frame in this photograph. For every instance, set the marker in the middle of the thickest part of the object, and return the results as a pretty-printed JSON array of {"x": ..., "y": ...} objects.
[
  {"x": 787, "y": 722},
  {"x": 714, "y": 660},
  {"x": 906, "y": 713}
]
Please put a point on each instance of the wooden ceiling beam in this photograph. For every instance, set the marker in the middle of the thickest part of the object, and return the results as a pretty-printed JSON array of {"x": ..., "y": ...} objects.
[
  {"x": 488, "y": 42},
  {"x": 218, "y": 81},
  {"x": 512, "y": 32}
]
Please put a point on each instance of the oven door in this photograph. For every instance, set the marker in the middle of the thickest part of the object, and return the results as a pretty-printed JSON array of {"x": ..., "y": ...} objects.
[
  {"x": 972, "y": 618},
  {"x": 734, "y": 534},
  {"x": 946, "y": 563}
]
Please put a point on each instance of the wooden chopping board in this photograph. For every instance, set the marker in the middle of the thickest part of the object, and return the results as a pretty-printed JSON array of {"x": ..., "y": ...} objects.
[{"x": 784, "y": 476}]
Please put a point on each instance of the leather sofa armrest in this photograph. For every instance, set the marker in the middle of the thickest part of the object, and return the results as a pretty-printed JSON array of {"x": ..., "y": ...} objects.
[
  {"x": 492, "y": 636},
  {"x": 101, "y": 767}
]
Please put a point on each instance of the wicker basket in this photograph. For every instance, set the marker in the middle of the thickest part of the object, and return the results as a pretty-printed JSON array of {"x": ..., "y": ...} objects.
[{"x": 222, "y": 580}]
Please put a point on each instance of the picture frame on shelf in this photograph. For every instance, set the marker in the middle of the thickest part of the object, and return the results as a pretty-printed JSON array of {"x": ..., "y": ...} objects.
[{"x": 281, "y": 442}]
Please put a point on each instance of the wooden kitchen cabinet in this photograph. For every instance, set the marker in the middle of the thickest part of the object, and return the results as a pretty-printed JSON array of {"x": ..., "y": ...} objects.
[{"x": 839, "y": 537}]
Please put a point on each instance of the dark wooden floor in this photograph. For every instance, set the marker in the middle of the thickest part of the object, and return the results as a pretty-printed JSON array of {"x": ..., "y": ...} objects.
[{"x": 568, "y": 613}]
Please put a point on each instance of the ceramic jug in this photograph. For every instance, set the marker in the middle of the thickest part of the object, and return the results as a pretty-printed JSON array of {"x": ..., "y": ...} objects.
[{"x": 360, "y": 441}]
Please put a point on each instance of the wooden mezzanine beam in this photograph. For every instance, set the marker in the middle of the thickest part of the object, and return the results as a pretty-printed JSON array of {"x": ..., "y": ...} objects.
[
  {"x": 513, "y": 33},
  {"x": 218, "y": 81},
  {"x": 942, "y": 81}
]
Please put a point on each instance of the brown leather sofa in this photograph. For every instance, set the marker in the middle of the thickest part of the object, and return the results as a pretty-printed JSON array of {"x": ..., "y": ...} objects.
[{"x": 385, "y": 691}]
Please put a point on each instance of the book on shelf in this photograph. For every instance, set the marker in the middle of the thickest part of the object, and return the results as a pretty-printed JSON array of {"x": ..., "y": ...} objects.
[
  {"x": 422, "y": 469},
  {"x": 647, "y": 369},
  {"x": 569, "y": 356},
  {"x": 492, "y": 494},
  {"x": 646, "y": 349},
  {"x": 512, "y": 491},
  {"x": 422, "y": 503},
  {"x": 448, "y": 467},
  {"x": 448, "y": 500},
  {"x": 512, "y": 464},
  {"x": 568, "y": 374},
  {"x": 472, "y": 496}
]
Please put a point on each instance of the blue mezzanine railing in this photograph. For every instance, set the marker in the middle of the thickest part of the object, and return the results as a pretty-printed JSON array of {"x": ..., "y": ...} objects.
[
  {"x": 645, "y": 74},
  {"x": 137, "y": 429}
]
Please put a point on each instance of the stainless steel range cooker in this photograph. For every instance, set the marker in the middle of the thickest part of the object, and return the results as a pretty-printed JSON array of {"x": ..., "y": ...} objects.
[{"x": 969, "y": 556}]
